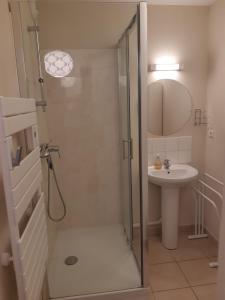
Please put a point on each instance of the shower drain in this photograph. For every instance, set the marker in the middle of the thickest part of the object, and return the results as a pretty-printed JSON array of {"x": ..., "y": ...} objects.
[{"x": 71, "y": 260}]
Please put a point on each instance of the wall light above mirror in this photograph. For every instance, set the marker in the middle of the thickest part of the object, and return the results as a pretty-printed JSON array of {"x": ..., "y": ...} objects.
[
  {"x": 169, "y": 107},
  {"x": 166, "y": 67}
]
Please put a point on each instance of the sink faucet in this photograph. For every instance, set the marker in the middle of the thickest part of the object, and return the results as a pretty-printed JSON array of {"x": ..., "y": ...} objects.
[{"x": 167, "y": 164}]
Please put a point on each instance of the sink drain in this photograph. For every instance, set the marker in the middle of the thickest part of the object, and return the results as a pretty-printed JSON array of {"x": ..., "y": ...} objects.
[{"x": 71, "y": 260}]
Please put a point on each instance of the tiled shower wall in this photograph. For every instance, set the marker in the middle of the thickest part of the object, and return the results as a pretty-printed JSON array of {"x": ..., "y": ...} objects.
[
  {"x": 176, "y": 149},
  {"x": 83, "y": 121}
]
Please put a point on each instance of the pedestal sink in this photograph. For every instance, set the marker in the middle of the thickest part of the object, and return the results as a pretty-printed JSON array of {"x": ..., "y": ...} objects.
[{"x": 170, "y": 181}]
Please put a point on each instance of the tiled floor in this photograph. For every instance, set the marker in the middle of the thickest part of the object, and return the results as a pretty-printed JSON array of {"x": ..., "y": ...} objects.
[{"x": 184, "y": 273}]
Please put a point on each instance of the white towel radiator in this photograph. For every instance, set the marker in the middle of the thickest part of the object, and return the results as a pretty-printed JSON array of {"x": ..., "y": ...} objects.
[
  {"x": 23, "y": 195},
  {"x": 201, "y": 193}
]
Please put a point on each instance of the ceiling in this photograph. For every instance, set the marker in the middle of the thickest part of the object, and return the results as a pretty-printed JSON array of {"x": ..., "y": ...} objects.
[
  {"x": 79, "y": 24},
  {"x": 83, "y": 25},
  {"x": 182, "y": 2},
  {"x": 153, "y": 2}
]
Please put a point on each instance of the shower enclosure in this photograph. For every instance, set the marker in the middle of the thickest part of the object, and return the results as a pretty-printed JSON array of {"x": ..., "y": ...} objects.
[{"x": 94, "y": 116}]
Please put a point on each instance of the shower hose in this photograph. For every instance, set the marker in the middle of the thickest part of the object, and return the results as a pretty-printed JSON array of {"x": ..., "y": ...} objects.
[{"x": 52, "y": 169}]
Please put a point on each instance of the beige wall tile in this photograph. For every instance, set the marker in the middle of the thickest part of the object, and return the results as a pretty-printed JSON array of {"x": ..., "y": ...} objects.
[{"x": 83, "y": 121}]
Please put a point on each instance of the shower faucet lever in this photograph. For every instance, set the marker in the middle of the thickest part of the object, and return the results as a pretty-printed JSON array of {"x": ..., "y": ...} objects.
[
  {"x": 54, "y": 148},
  {"x": 47, "y": 149}
]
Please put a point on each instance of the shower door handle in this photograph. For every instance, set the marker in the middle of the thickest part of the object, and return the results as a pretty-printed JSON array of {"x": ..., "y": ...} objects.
[
  {"x": 127, "y": 149},
  {"x": 131, "y": 148}
]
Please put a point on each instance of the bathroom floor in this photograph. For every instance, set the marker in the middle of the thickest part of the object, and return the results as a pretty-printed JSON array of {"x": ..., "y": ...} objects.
[
  {"x": 183, "y": 273},
  {"x": 105, "y": 262}
]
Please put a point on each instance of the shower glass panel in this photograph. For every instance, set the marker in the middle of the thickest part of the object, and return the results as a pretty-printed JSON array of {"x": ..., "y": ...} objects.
[
  {"x": 27, "y": 55},
  {"x": 125, "y": 137},
  {"x": 134, "y": 131},
  {"x": 129, "y": 136},
  {"x": 93, "y": 117}
]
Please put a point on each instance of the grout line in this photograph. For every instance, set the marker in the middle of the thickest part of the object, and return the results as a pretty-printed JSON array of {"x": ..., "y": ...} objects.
[
  {"x": 204, "y": 257},
  {"x": 182, "y": 260},
  {"x": 193, "y": 291},
  {"x": 162, "y": 263},
  {"x": 183, "y": 288},
  {"x": 202, "y": 285},
  {"x": 197, "y": 285},
  {"x": 187, "y": 281},
  {"x": 183, "y": 274},
  {"x": 191, "y": 259},
  {"x": 168, "y": 290}
]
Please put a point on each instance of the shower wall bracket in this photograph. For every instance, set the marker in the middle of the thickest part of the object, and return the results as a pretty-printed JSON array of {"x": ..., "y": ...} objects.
[
  {"x": 34, "y": 28},
  {"x": 41, "y": 103}
]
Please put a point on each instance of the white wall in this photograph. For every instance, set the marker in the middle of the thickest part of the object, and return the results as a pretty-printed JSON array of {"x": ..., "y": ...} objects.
[
  {"x": 181, "y": 33},
  {"x": 215, "y": 158},
  {"x": 215, "y": 148}
]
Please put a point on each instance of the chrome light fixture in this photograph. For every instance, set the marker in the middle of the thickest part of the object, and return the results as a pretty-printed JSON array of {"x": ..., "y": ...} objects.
[{"x": 166, "y": 67}]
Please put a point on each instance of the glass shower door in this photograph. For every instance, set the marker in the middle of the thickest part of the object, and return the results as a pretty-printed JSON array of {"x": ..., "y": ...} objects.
[
  {"x": 134, "y": 136},
  {"x": 128, "y": 62},
  {"x": 125, "y": 137}
]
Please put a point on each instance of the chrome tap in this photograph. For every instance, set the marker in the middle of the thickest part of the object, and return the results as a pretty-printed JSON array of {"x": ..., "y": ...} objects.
[
  {"x": 53, "y": 148},
  {"x": 46, "y": 150},
  {"x": 167, "y": 164}
]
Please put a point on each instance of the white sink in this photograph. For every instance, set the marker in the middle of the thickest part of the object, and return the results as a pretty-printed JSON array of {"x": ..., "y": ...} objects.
[
  {"x": 170, "y": 181},
  {"x": 176, "y": 175}
]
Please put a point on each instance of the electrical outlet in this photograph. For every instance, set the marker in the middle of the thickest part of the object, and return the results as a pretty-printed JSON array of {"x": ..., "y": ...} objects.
[{"x": 210, "y": 133}]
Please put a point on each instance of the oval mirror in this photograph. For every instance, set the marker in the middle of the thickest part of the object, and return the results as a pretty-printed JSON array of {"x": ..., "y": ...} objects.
[{"x": 169, "y": 107}]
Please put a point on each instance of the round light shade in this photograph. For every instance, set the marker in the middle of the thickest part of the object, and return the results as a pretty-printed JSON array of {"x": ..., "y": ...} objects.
[{"x": 58, "y": 63}]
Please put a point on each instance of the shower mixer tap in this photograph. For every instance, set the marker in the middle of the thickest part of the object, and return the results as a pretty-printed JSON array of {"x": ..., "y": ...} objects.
[
  {"x": 54, "y": 148},
  {"x": 45, "y": 153},
  {"x": 46, "y": 150}
]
